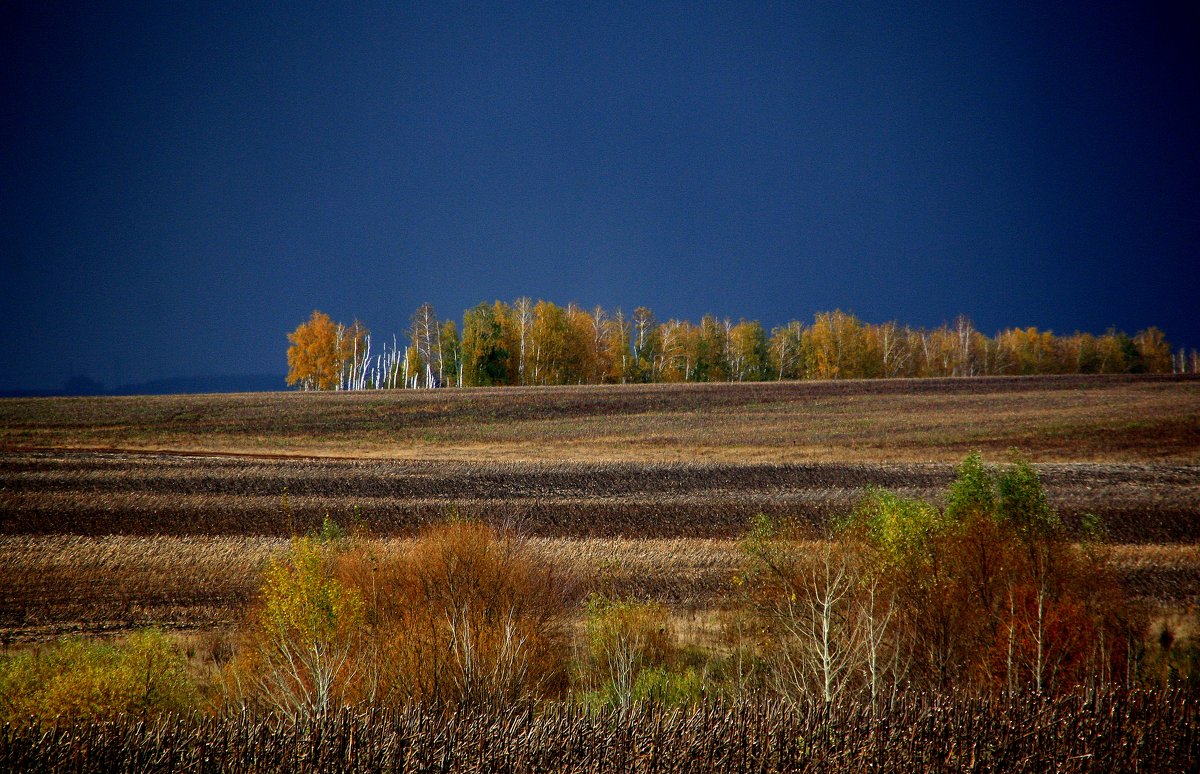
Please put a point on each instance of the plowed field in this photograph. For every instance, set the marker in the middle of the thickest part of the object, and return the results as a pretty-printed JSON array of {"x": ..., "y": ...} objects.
[{"x": 119, "y": 512}]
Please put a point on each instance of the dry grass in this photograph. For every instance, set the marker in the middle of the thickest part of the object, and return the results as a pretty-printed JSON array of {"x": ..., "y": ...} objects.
[
  {"x": 1052, "y": 418},
  {"x": 1136, "y": 731},
  {"x": 61, "y": 584}
]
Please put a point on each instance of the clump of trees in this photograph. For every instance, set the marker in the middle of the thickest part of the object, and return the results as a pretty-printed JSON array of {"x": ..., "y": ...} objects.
[
  {"x": 990, "y": 593},
  {"x": 527, "y": 343},
  {"x": 464, "y": 616}
]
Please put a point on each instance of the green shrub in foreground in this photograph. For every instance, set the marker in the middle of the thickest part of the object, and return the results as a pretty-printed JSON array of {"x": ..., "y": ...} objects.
[{"x": 142, "y": 675}]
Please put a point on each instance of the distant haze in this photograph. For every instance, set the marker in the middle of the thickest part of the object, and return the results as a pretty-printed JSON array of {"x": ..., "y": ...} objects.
[{"x": 182, "y": 186}]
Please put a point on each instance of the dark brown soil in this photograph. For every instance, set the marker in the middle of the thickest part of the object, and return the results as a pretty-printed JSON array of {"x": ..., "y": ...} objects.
[{"x": 93, "y": 493}]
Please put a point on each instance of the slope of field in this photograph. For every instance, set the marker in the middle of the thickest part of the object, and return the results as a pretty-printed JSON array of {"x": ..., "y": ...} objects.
[
  {"x": 122, "y": 512},
  {"x": 1051, "y": 418}
]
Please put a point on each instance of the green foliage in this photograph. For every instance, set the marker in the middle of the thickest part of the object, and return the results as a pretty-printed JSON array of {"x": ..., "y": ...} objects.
[
  {"x": 302, "y": 602},
  {"x": 1022, "y": 502},
  {"x": 1092, "y": 529},
  {"x": 451, "y": 353},
  {"x": 658, "y": 685},
  {"x": 331, "y": 533},
  {"x": 764, "y": 532},
  {"x": 484, "y": 357},
  {"x": 304, "y": 636},
  {"x": 973, "y": 492},
  {"x": 143, "y": 675},
  {"x": 772, "y": 547},
  {"x": 901, "y": 529},
  {"x": 625, "y": 639}
]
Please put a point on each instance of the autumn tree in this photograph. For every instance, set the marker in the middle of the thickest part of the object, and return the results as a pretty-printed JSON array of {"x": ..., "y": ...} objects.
[
  {"x": 314, "y": 359},
  {"x": 303, "y": 655},
  {"x": 828, "y": 627},
  {"x": 1031, "y": 351},
  {"x": 484, "y": 357},
  {"x": 599, "y": 361},
  {"x": 562, "y": 341},
  {"x": 583, "y": 356},
  {"x": 615, "y": 346},
  {"x": 1154, "y": 353},
  {"x": 510, "y": 340},
  {"x": 899, "y": 351},
  {"x": 786, "y": 351},
  {"x": 710, "y": 350},
  {"x": 836, "y": 346},
  {"x": 748, "y": 355},
  {"x": 676, "y": 351}
]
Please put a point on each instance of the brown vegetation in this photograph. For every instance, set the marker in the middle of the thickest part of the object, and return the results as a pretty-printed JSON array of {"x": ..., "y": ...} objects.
[{"x": 1138, "y": 731}]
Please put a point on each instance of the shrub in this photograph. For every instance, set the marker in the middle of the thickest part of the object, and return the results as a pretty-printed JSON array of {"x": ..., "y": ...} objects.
[
  {"x": 144, "y": 675},
  {"x": 466, "y": 616},
  {"x": 304, "y": 641},
  {"x": 625, "y": 641}
]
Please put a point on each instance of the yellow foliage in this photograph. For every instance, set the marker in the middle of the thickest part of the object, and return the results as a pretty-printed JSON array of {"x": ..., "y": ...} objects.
[
  {"x": 321, "y": 350},
  {"x": 305, "y": 643},
  {"x": 143, "y": 675}
]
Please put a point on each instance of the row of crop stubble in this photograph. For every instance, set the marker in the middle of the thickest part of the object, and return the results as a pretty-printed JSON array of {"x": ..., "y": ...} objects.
[
  {"x": 1137, "y": 731},
  {"x": 96, "y": 493}
]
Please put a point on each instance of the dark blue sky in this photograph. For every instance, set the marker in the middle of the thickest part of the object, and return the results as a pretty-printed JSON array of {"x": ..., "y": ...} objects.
[{"x": 182, "y": 186}]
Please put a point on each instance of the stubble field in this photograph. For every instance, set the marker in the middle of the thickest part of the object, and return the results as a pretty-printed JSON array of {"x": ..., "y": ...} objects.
[{"x": 125, "y": 512}]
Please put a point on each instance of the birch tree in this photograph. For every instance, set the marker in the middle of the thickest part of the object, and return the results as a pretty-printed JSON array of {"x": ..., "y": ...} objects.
[
  {"x": 647, "y": 363},
  {"x": 303, "y": 660},
  {"x": 523, "y": 318},
  {"x": 424, "y": 333},
  {"x": 786, "y": 351}
]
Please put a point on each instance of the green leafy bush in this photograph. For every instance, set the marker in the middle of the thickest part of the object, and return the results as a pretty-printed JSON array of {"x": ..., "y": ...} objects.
[{"x": 143, "y": 675}]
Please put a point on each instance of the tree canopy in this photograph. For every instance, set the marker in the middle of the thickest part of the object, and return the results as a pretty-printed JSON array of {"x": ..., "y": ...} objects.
[{"x": 542, "y": 343}]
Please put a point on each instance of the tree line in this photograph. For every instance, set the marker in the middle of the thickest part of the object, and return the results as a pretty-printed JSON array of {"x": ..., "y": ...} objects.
[{"x": 542, "y": 343}]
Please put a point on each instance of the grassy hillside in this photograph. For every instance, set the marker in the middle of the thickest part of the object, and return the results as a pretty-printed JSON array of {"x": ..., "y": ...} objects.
[{"x": 1056, "y": 418}]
